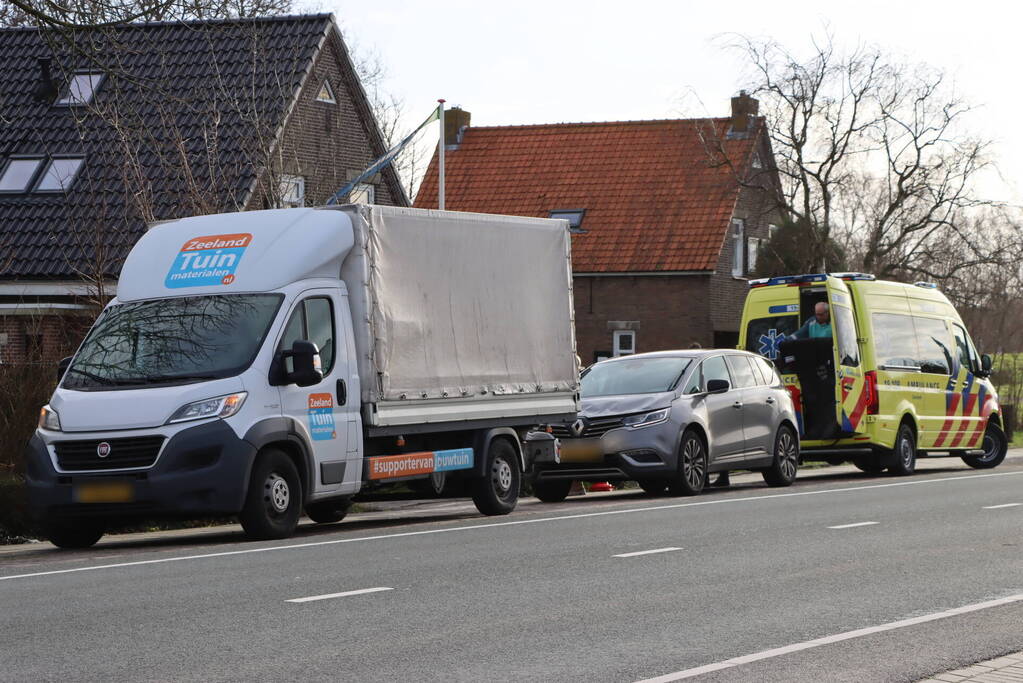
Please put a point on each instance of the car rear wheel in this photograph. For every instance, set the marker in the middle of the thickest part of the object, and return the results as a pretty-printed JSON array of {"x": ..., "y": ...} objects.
[
  {"x": 783, "y": 469},
  {"x": 74, "y": 533},
  {"x": 994, "y": 445},
  {"x": 692, "y": 467},
  {"x": 903, "y": 457}
]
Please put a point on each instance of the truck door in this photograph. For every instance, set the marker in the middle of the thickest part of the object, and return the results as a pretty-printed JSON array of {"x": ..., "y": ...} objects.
[
  {"x": 322, "y": 411},
  {"x": 851, "y": 396}
]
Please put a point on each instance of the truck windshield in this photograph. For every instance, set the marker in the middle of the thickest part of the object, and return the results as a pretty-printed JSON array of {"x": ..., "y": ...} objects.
[
  {"x": 172, "y": 341},
  {"x": 633, "y": 376}
]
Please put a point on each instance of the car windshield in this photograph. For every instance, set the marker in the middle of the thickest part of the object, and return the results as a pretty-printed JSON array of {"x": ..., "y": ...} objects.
[
  {"x": 634, "y": 376},
  {"x": 177, "y": 340}
]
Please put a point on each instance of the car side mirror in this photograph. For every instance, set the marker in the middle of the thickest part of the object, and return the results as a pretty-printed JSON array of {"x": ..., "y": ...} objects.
[
  {"x": 62, "y": 367},
  {"x": 305, "y": 359},
  {"x": 718, "y": 386},
  {"x": 986, "y": 364}
]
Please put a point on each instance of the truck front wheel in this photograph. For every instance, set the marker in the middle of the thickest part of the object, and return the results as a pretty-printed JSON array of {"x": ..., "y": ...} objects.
[
  {"x": 497, "y": 491},
  {"x": 328, "y": 511},
  {"x": 995, "y": 447},
  {"x": 274, "y": 499}
]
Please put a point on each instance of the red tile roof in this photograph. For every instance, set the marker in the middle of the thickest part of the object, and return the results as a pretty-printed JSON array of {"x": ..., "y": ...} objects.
[{"x": 654, "y": 200}]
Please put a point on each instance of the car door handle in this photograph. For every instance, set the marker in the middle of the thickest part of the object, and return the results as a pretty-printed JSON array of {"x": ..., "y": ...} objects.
[
  {"x": 342, "y": 392},
  {"x": 737, "y": 405},
  {"x": 770, "y": 400}
]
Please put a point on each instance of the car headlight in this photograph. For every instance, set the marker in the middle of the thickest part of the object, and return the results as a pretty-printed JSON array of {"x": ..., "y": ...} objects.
[
  {"x": 221, "y": 406},
  {"x": 656, "y": 417},
  {"x": 49, "y": 419}
]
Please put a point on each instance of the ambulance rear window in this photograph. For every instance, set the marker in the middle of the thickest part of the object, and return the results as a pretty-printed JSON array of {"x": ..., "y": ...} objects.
[{"x": 764, "y": 335}]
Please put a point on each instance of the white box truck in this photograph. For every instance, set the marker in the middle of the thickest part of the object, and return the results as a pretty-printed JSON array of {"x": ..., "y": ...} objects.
[{"x": 266, "y": 362}]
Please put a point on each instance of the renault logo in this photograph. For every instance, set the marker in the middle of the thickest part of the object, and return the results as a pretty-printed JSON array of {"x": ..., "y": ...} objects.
[
  {"x": 103, "y": 449},
  {"x": 578, "y": 427}
]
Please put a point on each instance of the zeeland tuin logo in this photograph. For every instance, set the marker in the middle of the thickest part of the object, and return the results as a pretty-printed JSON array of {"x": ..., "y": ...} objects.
[
  {"x": 206, "y": 261},
  {"x": 321, "y": 417}
]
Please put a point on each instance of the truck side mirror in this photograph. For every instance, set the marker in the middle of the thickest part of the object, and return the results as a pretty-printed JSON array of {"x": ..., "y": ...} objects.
[
  {"x": 62, "y": 367},
  {"x": 986, "y": 364},
  {"x": 717, "y": 386},
  {"x": 305, "y": 358}
]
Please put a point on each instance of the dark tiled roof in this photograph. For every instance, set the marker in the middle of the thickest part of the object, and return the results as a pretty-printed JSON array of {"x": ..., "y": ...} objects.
[
  {"x": 193, "y": 104},
  {"x": 654, "y": 201}
]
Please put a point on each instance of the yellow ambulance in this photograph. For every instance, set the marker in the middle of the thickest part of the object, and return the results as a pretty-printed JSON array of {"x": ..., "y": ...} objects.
[{"x": 895, "y": 377}]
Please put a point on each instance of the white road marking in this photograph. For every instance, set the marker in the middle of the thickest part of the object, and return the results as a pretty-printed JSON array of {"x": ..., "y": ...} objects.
[
  {"x": 850, "y": 526},
  {"x": 828, "y": 640},
  {"x": 330, "y": 596},
  {"x": 492, "y": 525},
  {"x": 647, "y": 552},
  {"x": 999, "y": 507}
]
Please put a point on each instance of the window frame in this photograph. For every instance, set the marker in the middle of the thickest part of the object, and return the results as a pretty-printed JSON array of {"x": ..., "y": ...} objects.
[
  {"x": 616, "y": 348},
  {"x": 298, "y": 308},
  {"x": 574, "y": 226},
  {"x": 739, "y": 358},
  {"x": 41, "y": 175},
  {"x": 285, "y": 184},
  {"x": 67, "y": 101},
  {"x": 728, "y": 371},
  {"x": 33, "y": 177},
  {"x": 738, "y": 248},
  {"x": 325, "y": 84},
  {"x": 370, "y": 190}
]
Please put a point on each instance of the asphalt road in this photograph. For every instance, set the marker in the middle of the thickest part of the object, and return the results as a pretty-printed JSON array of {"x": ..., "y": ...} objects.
[{"x": 775, "y": 576}]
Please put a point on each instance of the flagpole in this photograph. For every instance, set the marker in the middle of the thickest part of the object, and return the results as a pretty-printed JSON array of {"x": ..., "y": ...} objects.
[{"x": 440, "y": 158}]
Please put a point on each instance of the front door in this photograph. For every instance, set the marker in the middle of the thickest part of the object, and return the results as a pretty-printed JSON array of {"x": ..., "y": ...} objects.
[
  {"x": 724, "y": 414},
  {"x": 321, "y": 411}
]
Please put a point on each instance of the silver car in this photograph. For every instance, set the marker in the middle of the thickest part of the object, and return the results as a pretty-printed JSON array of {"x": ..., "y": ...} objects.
[{"x": 670, "y": 418}]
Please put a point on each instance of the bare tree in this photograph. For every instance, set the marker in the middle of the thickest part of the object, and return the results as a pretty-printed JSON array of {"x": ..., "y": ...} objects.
[
  {"x": 872, "y": 154},
  {"x": 70, "y": 14}
]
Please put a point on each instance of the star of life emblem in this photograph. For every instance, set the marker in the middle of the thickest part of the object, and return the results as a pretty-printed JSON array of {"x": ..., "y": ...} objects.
[{"x": 770, "y": 343}]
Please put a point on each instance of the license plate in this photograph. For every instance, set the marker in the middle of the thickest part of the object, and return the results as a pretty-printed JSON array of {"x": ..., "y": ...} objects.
[
  {"x": 581, "y": 450},
  {"x": 105, "y": 492}
]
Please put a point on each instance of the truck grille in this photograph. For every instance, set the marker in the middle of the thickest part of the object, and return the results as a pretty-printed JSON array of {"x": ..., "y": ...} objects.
[
  {"x": 595, "y": 428},
  {"x": 83, "y": 456}
]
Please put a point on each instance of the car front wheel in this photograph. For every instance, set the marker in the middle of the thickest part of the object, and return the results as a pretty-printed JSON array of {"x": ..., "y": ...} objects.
[{"x": 692, "y": 467}]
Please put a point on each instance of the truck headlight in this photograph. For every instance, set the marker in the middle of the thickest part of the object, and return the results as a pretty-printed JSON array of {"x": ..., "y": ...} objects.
[
  {"x": 221, "y": 406},
  {"x": 656, "y": 417},
  {"x": 49, "y": 419}
]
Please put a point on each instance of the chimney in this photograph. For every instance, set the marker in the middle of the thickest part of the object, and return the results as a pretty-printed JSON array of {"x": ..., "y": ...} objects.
[
  {"x": 456, "y": 120},
  {"x": 46, "y": 89},
  {"x": 744, "y": 109}
]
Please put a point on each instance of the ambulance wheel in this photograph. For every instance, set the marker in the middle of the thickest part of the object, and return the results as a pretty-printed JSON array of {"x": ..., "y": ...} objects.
[
  {"x": 871, "y": 464},
  {"x": 328, "y": 511},
  {"x": 902, "y": 460},
  {"x": 274, "y": 500},
  {"x": 497, "y": 491},
  {"x": 995, "y": 446},
  {"x": 552, "y": 490},
  {"x": 74, "y": 534},
  {"x": 785, "y": 465}
]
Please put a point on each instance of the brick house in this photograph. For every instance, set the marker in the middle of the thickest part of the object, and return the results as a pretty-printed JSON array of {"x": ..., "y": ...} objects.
[
  {"x": 102, "y": 131},
  {"x": 666, "y": 216}
]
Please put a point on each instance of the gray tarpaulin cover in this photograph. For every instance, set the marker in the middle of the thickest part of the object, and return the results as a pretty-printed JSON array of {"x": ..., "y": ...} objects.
[{"x": 460, "y": 304}]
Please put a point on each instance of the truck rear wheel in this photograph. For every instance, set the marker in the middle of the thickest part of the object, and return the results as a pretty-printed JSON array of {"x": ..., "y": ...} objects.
[
  {"x": 327, "y": 511},
  {"x": 74, "y": 534},
  {"x": 274, "y": 500},
  {"x": 552, "y": 490},
  {"x": 870, "y": 464},
  {"x": 995, "y": 446},
  {"x": 497, "y": 491},
  {"x": 902, "y": 459}
]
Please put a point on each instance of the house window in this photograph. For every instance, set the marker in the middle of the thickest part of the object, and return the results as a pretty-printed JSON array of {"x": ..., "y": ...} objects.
[
  {"x": 18, "y": 174},
  {"x": 772, "y": 229},
  {"x": 364, "y": 193},
  {"x": 738, "y": 247},
  {"x": 59, "y": 174},
  {"x": 756, "y": 162},
  {"x": 752, "y": 251},
  {"x": 573, "y": 216},
  {"x": 624, "y": 342},
  {"x": 292, "y": 191},
  {"x": 326, "y": 93},
  {"x": 81, "y": 89}
]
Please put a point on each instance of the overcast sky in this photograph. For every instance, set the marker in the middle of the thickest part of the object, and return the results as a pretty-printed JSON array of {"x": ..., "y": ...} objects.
[{"x": 560, "y": 60}]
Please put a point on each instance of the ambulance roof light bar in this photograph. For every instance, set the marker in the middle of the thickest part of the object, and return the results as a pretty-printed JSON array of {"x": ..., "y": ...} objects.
[
  {"x": 806, "y": 278},
  {"x": 926, "y": 285}
]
